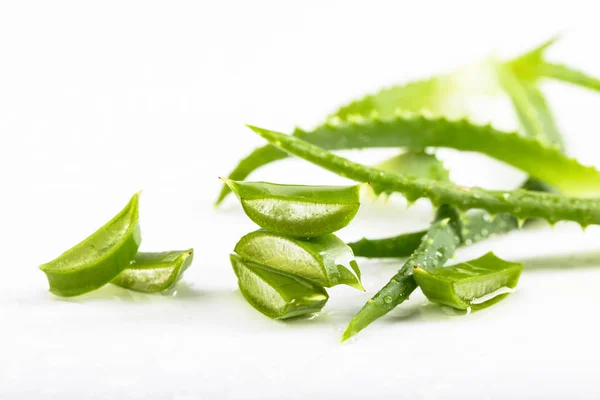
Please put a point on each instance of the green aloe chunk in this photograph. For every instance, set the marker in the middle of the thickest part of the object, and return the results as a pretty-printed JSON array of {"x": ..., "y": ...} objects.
[
  {"x": 297, "y": 210},
  {"x": 323, "y": 260},
  {"x": 473, "y": 285},
  {"x": 155, "y": 272},
  {"x": 98, "y": 259},
  {"x": 277, "y": 295}
]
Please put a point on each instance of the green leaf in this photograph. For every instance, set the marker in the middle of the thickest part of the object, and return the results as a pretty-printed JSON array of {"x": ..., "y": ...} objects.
[
  {"x": 324, "y": 260},
  {"x": 297, "y": 210},
  {"x": 155, "y": 272},
  {"x": 522, "y": 204},
  {"x": 568, "y": 75},
  {"x": 475, "y": 284},
  {"x": 545, "y": 163},
  {"x": 98, "y": 259},
  {"x": 531, "y": 107},
  {"x": 475, "y": 227},
  {"x": 437, "y": 245},
  {"x": 277, "y": 295}
]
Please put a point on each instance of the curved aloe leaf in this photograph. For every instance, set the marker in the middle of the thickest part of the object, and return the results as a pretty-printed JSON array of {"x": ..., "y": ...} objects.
[
  {"x": 547, "y": 164},
  {"x": 522, "y": 204},
  {"x": 435, "y": 248},
  {"x": 324, "y": 260},
  {"x": 475, "y": 284},
  {"x": 569, "y": 75},
  {"x": 277, "y": 295},
  {"x": 155, "y": 272},
  {"x": 298, "y": 210},
  {"x": 98, "y": 259}
]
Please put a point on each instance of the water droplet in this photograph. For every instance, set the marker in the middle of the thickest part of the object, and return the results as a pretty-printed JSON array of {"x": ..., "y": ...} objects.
[
  {"x": 487, "y": 218},
  {"x": 485, "y": 232},
  {"x": 387, "y": 299},
  {"x": 429, "y": 241},
  {"x": 439, "y": 254},
  {"x": 477, "y": 237},
  {"x": 468, "y": 242}
]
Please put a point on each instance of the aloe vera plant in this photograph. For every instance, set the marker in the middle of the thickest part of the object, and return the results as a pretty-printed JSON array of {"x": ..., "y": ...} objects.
[{"x": 545, "y": 163}]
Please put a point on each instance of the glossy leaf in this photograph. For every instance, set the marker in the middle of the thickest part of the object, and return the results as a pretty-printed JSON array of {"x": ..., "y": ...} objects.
[
  {"x": 439, "y": 244},
  {"x": 474, "y": 284},
  {"x": 522, "y": 204},
  {"x": 277, "y": 295},
  {"x": 298, "y": 210},
  {"x": 155, "y": 272},
  {"x": 547, "y": 164},
  {"x": 475, "y": 227},
  {"x": 323, "y": 260},
  {"x": 98, "y": 259}
]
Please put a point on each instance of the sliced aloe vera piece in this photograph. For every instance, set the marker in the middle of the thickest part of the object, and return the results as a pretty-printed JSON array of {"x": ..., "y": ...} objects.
[
  {"x": 297, "y": 210},
  {"x": 155, "y": 272},
  {"x": 99, "y": 258},
  {"x": 277, "y": 295},
  {"x": 473, "y": 285},
  {"x": 323, "y": 260}
]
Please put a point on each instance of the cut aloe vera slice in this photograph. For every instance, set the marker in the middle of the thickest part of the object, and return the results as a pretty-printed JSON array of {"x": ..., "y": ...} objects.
[
  {"x": 324, "y": 260},
  {"x": 472, "y": 285},
  {"x": 297, "y": 210},
  {"x": 99, "y": 258},
  {"x": 277, "y": 295},
  {"x": 155, "y": 272}
]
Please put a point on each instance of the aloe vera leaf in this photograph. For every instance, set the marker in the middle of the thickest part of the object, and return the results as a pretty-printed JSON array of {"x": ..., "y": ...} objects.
[
  {"x": 324, "y": 260},
  {"x": 475, "y": 227},
  {"x": 427, "y": 94},
  {"x": 545, "y": 163},
  {"x": 522, "y": 204},
  {"x": 437, "y": 245},
  {"x": 297, "y": 210},
  {"x": 99, "y": 258},
  {"x": 525, "y": 66},
  {"x": 155, "y": 272},
  {"x": 475, "y": 284},
  {"x": 531, "y": 107},
  {"x": 277, "y": 295},
  {"x": 569, "y": 75}
]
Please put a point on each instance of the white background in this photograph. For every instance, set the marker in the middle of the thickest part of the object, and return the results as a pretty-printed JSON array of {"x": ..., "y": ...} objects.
[{"x": 101, "y": 99}]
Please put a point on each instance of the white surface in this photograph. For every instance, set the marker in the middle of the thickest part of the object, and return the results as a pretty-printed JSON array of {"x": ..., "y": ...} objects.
[{"x": 101, "y": 100}]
